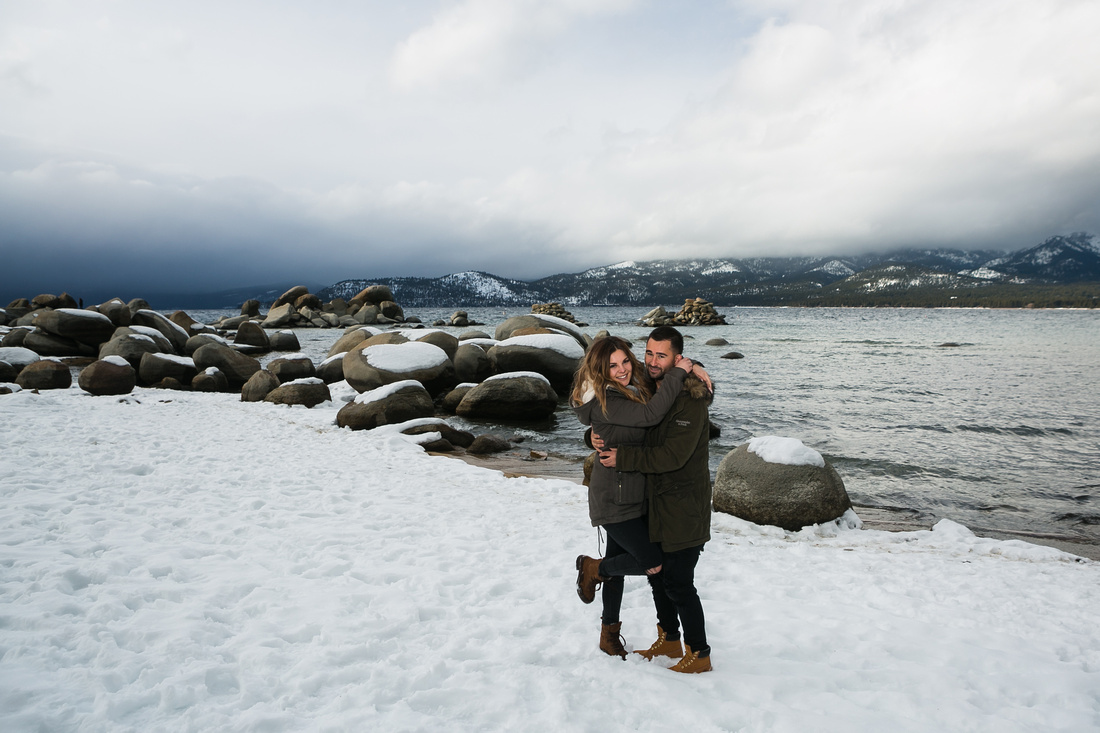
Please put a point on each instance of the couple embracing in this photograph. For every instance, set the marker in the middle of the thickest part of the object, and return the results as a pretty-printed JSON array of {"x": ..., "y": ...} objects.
[{"x": 650, "y": 490}]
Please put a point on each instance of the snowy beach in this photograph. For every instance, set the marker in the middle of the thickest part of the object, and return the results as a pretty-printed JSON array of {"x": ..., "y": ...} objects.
[{"x": 187, "y": 562}]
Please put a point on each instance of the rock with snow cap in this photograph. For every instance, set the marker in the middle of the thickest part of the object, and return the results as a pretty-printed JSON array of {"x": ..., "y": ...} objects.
[
  {"x": 236, "y": 367},
  {"x": 202, "y": 339},
  {"x": 47, "y": 344},
  {"x": 291, "y": 367},
  {"x": 454, "y": 436},
  {"x": 115, "y": 309},
  {"x": 781, "y": 482},
  {"x": 555, "y": 356},
  {"x": 130, "y": 345},
  {"x": 210, "y": 379},
  {"x": 85, "y": 326},
  {"x": 352, "y": 337},
  {"x": 259, "y": 386},
  {"x": 283, "y": 341},
  {"x": 442, "y": 339},
  {"x": 393, "y": 403},
  {"x": 45, "y": 374},
  {"x": 514, "y": 396},
  {"x": 18, "y": 357},
  {"x": 150, "y": 318},
  {"x": 154, "y": 368},
  {"x": 110, "y": 376},
  {"x": 309, "y": 392},
  {"x": 533, "y": 320},
  {"x": 371, "y": 365}
]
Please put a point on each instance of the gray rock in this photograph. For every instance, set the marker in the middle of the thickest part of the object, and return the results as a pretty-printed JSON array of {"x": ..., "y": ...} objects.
[
  {"x": 509, "y": 398},
  {"x": 155, "y": 368},
  {"x": 371, "y": 365},
  {"x": 8, "y": 373},
  {"x": 536, "y": 321},
  {"x": 250, "y": 308},
  {"x": 112, "y": 376},
  {"x": 199, "y": 340},
  {"x": 791, "y": 497},
  {"x": 733, "y": 355},
  {"x": 717, "y": 342},
  {"x": 467, "y": 335},
  {"x": 554, "y": 356},
  {"x": 367, "y": 314},
  {"x": 116, "y": 310},
  {"x": 331, "y": 369},
  {"x": 15, "y": 337},
  {"x": 85, "y": 326},
  {"x": 288, "y": 369},
  {"x": 442, "y": 339},
  {"x": 291, "y": 295},
  {"x": 308, "y": 392},
  {"x": 130, "y": 345},
  {"x": 251, "y": 333},
  {"x": 45, "y": 374},
  {"x": 472, "y": 364},
  {"x": 47, "y": 344},
  {"x": 486, "y": 444},
  {"x": 391, "y": 310},
  {"x": 210, "y": 380},
  {"x": 18, "y": 357},
  {"x": 392, "y": 405},
  {"x": 452, "y": 436},
  {"x": 236, "y": 367},
  {"x": 449, "y": 403},
  {"x": 283, "y": 341},
  {"x": 279, "y": 316},
  {"x": 176, "y": 335},
  {"x": 352, "y": 338},
  {"x": 258, "y": 386},
  {"x": 374, "y": 294},
  {"x": 137, "y": 304}
]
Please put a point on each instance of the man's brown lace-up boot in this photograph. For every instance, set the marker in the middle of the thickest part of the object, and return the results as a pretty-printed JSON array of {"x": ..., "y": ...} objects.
[
  {"x": 692, "y": 663},
  {"x": 662, "y": 647}
]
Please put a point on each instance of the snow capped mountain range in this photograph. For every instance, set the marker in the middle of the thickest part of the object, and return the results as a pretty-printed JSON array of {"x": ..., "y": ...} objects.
[{"x": 1073, "y": 258}]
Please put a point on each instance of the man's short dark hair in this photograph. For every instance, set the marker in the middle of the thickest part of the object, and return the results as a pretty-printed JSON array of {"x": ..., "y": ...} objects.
[{"x": 669, "y": 334}]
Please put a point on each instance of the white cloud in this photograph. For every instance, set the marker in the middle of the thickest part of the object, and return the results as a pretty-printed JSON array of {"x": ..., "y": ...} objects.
[{"x": 478, "y": 41}]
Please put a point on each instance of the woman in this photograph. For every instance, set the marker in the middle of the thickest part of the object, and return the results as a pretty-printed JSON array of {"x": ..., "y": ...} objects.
[{"x": 612, "y": 394}]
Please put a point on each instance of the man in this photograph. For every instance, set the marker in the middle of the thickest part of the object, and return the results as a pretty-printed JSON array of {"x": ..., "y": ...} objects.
[{"x": 676, "y": 460}]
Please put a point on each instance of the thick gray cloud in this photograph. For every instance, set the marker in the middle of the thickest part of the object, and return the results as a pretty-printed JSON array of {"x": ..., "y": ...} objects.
[{"x": 210, "y": 145}]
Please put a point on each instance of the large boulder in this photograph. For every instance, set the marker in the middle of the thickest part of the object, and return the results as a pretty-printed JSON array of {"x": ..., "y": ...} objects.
[
  {"x": 291, "y": 295},
  {"x": 202, "y": 339},
  {"x": 472, "y": 363},
  {"x": 45, "y": 374},
  {"x": 279, "y": 316},
  {"x": 236, "y": 367},
  {"x": 781, "y": 482},
  {"x": 158, "y": 338},
  {"x": 291, "y": 367},
  {"x": 130, "y": 345},
  {"x": 555, "y": 356},
  {"x": 442, "y": 339},
  {"x": 250, "y": 308},
  {"x": 369, "y": 366},
  {"x": 450, "y": 402},
  {"x": 87, "y": 327},
  {"x": 43, "y": 300},
  {"x": 374, "y": 294},
  {"x": 352, "y": 338},
  {"x": 15, "y": 337},
  {"x": 536, "y": 321},
  {"x": 251, "y": 333},
  {"x": 188, "y": 324},
  {"x": 309, "y": 392},
  {"x": 516, "y": 396},
  {"x": 259, "y": 386},
  {"x": 391, "y": 310},
  {"x": 47, "y": 344},
  {"x": 176, "y": 335},
  {"x": 210, "y": 380},
  {"x": 367, "y": 314},
  {"x": 116, "y": 310},
  {"x": 110, "y": 376},
  {"x": 393, "y": 403},
  {"x": 8, "y": 373},
  {"x": 331, "y": 369},
  {"x": 283, "y": 341},
  {"x": 155, "y": 368},
  {"x": 137, "y": 304}
]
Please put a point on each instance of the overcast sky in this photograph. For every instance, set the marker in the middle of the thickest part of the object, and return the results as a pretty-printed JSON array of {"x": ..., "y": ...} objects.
[{"x": 205, "y": 145}]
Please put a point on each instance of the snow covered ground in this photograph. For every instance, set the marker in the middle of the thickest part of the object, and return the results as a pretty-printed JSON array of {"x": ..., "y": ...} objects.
[{"x": 188, "y": 562}]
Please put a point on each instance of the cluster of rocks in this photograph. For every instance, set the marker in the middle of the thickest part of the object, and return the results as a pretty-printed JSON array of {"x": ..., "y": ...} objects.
[
  {"x": 458, "y": 319},
  {"x": 557, "y": 310},
  {"x": 696, "y": 312},
  {"x": 299, "y": 308}
]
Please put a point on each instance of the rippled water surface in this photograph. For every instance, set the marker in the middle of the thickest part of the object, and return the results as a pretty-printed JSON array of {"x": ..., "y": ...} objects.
[{"x": 988, "y": 417}]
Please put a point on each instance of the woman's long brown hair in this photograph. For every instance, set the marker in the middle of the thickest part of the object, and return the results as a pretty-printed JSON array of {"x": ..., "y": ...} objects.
[{"x": 595, "y": 373}]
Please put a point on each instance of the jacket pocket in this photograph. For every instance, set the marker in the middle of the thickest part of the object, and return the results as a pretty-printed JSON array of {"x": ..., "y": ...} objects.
[{"x": 631, "y": 489}]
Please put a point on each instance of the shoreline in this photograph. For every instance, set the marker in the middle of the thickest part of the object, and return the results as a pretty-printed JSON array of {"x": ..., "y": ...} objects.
[{"x": 525, "y": 463}]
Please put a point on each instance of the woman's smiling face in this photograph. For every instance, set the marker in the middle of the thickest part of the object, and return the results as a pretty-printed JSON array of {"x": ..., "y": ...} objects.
[{"x": 621, "y": 368}]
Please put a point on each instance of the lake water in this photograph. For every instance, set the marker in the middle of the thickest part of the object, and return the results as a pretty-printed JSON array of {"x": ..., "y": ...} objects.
[{"x": 998, "y": 432}]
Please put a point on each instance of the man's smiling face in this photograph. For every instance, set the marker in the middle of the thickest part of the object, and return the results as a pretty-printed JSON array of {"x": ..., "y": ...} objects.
[{"x": 659, "y": 358}]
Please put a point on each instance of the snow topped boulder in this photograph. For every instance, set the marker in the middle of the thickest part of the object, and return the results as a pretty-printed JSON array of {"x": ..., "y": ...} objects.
[
  {"x": 48, "y": 344},
  {"x": 352, "y": 338},
  {"x": 45, "y": 374},
  {"x": 555, "y": 356},
  {"x": 513, "y": 396},
  {"x": 112, "y": 375},
  {"x": 87, "y": 327},
  {"x": 393, "y": 403},
  {"x": 154, "y": 368},
  {"x": 292, "y": 366},
  {"x": 236, "y": 367},
  {"x": 372, "y": 365},
  {"x": 309, "y": 391},
  {"x": 538, "y": 321},
  {"x": 781, "y": 482},
  {"x": 176, "y": 335},
  {"x": 18, "y": 356}
]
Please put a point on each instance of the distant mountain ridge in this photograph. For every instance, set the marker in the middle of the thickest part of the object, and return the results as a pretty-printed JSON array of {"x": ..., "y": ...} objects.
[{"x": 1060, "y": 260}]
